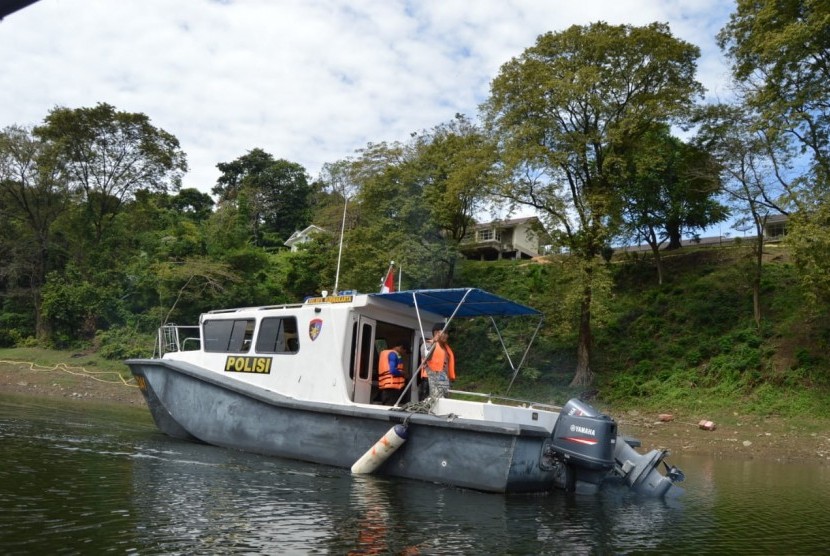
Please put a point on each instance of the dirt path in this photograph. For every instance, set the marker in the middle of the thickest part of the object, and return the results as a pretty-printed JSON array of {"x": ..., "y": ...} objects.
[{"x": 734, "y": 435}]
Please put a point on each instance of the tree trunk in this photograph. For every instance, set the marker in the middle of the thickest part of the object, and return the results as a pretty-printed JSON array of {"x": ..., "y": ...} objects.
[
  {"x": 584, "y": 376},
  {"x": 43, "y": 331},
  {"x": 658, "y": 261},
  {"x": 673, "y": 232},
  {"x": 756, "y": 277}
]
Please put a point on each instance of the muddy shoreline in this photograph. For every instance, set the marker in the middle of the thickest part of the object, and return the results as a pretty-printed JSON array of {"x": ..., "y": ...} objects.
[{"x": 734, "y": 435}]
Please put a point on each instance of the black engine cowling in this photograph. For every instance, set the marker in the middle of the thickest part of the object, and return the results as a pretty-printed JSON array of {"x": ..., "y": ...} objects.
[{"x": 585, "y": 439}]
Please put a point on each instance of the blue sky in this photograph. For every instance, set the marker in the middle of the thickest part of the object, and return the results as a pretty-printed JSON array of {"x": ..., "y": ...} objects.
[{"x": 310, "y": 81}]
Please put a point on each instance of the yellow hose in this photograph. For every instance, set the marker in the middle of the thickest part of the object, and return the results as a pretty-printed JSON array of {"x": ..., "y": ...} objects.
[{"x": 77, "y": 371}]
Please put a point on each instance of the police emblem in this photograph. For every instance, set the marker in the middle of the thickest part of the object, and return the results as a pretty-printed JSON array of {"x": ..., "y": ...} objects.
[{"x": 314, "y": 328}]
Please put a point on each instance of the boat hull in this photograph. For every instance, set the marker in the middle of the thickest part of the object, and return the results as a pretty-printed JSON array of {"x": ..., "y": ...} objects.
[{"x": 192, "y": 403}]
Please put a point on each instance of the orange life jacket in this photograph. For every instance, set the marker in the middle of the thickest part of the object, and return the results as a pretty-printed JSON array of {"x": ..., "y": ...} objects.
[
  {"x": 387, "y": 379},
  {"x": 437, "y": 360}
]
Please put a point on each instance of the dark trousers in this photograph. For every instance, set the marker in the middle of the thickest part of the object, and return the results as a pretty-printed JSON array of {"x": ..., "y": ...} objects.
[{"x": 388, "y": 396}]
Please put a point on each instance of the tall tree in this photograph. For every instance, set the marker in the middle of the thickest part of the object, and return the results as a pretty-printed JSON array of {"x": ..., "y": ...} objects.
[
  {"x": 754, "y": 177},
  {"x": 108, "y": 155},
  {"x": 192, "y": 203},
  {"x": 566, "y": 113},
  {"x": 780, "y": 54},
  {"x": 33, "y": 194},
  {"x": 274, "y": 195},
  {"x": 391, "y": 220}
]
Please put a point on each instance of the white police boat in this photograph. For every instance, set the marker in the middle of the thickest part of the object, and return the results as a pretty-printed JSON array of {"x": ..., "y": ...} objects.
[{"x": 298, "y": 381}]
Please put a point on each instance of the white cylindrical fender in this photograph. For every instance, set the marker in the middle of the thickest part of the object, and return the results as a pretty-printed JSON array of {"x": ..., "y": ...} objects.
[{"x": 380, "y": 452}]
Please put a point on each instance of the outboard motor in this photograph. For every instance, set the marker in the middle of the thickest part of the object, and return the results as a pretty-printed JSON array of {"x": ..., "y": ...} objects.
[
  {"x": 585, "y": 450},
  {"x": 582, "y": 447}
]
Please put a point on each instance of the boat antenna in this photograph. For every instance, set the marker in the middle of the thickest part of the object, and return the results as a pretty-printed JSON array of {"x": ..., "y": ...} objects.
[{"x": 340, "y": 251}]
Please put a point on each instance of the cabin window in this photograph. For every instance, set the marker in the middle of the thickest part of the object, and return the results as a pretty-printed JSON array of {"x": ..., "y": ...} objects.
[
  {"x": 365, "y": 352},
  {"x": 231, "y": 336},
  {"x": 354, "y": 351},
  {"x": 278, "y": 335}
]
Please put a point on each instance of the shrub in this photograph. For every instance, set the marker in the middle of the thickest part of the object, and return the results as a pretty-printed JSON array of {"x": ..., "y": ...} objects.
[{"x": 124, "y": 343}]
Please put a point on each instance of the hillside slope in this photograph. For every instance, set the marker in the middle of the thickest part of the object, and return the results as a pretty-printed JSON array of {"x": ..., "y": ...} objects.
[{"x": 689, "y": 344}]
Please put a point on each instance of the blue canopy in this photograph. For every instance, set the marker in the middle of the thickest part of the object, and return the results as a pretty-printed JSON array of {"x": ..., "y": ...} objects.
[{"x": 477, "y": 303}]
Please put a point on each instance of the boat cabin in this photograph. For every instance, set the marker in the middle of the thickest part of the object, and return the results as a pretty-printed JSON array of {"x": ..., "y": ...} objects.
[{"x": 325, "y": 349}]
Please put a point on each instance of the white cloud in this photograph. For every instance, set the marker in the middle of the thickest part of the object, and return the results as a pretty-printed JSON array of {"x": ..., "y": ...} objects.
[{"x": 308, "y": 81}]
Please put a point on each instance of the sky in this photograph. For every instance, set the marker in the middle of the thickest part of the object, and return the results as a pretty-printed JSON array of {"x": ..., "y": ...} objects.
[{"x": 309, "y": 81}]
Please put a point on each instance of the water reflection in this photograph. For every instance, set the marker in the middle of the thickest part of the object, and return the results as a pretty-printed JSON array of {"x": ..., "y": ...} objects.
[{"x": 80, "y": 480}]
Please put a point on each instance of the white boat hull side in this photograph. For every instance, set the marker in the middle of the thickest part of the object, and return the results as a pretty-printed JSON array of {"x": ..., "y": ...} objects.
[{"x": 192, "y": 403}]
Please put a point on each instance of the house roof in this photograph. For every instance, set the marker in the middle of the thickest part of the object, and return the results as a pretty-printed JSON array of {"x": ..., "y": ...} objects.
[
  {"x": 512, "y": 222},
  {"x": 299, "y": 234}
]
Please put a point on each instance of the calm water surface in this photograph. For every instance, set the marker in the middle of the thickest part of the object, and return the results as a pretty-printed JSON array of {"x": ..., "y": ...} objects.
[{"x": 76, "y": 479}]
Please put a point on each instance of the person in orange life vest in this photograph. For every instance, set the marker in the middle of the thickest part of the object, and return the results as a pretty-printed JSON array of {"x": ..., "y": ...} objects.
[
  {"x": 440, "y": 365},
  {"x": 391, "y": 374}
]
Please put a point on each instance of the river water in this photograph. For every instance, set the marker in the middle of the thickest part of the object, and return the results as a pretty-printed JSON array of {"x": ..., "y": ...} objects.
[{"x": 82, "y": 479}]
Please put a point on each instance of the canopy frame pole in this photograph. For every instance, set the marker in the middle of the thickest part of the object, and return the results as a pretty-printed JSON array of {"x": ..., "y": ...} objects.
[{"x": 524, "y": 355}]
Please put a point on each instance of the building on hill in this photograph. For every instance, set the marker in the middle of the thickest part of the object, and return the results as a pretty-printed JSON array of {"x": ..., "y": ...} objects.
[
  {"x": 775, "y": 227},
  {"x": 301, "y": 236},
  {"x": 518, "y": 238}
]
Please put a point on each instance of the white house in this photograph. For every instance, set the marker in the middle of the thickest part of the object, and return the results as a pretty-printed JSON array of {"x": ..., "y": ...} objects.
[
  {"x": 302, "y": 236},
  {"x": 518, "y": 238}
]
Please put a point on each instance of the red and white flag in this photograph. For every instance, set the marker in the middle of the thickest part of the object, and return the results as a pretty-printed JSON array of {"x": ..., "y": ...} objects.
[{"x": 388, "y": 284}]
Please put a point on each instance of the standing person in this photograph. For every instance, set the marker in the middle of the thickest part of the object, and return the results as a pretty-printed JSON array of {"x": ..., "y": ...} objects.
[
  {"x": 440, "y": 365},
  {"x": 391, "y": 374}
]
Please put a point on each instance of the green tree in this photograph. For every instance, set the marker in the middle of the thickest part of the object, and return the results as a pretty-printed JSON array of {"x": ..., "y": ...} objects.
[
  {"x": 753, "y": 176},
  {"x": 455, "y": 163},
  {"x": 411, "y": 203},
  {"x": 390, "y": 219},
  {"x": 566, "y": 113},
  {"x": 274, "y": 196},
  {"x": 77, "y": 307},
  {"x": 109, "y": 155},
  {"x": 33, "y": 195},
  {"x": 187, "y": 287},
  {"x": 670, "y": 190},
  {"x": 192, "y": 204},
  {"x": 780, "y": 54}
]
